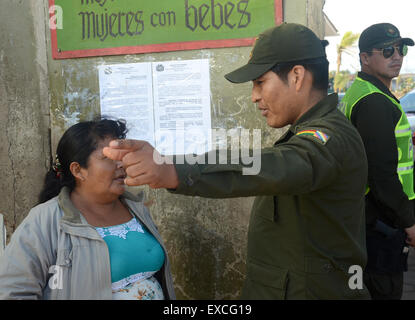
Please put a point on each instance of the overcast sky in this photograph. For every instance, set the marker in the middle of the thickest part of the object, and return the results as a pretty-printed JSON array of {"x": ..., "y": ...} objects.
[{"x": 357, "y": 15}]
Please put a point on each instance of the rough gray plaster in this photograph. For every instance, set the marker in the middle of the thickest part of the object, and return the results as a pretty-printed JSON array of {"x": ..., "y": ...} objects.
[{"x": 24, "y": 107}]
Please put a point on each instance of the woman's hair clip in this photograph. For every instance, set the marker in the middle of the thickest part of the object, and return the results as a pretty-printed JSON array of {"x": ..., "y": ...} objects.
[{"x": 57, "y": 167}]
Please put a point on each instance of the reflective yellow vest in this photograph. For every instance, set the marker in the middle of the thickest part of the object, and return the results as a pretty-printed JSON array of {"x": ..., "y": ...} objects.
[{"x": 403, "y": 135}]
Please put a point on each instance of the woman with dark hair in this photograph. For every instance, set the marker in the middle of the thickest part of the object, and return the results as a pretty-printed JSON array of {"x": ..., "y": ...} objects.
[{"x": 88, "y": 238}]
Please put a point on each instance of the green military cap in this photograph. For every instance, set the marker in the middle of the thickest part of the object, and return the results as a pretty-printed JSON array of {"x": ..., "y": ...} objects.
[
  {"x": 288, "y": 42},
  {"x": 381, "y": 35}
]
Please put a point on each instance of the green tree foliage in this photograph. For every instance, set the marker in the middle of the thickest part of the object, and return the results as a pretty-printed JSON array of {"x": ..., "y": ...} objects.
[
  {"x": 341, "y": 81},
  {"x": 348, "y": 41}
]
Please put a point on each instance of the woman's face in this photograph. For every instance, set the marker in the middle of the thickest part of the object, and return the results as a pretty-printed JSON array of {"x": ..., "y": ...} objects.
[{"x": 103, "y": 177}]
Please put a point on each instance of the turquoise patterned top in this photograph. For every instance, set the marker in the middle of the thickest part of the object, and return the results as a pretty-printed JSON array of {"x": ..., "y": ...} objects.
[{"x": 135, "y": 254}]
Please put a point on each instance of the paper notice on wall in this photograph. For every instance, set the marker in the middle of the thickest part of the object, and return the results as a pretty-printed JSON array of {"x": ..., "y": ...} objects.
[
  {"x": 165, "y": 103},
  {"x": 126, "y": 92},
  {"x": 182, "y": 106}
]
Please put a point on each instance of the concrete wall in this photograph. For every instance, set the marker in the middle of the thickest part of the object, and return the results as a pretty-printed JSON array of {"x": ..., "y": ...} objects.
[
  {"x": 24, "y": 107},
  {"x": 206, "y": 238}
]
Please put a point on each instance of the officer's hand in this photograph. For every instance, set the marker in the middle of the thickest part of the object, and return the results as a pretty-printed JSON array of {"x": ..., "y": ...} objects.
[
  {"x": 138, "y": 158},
  {"x": 411, "y": 235}
]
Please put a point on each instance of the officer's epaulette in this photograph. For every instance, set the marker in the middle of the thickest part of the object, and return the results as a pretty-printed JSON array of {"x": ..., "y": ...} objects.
[{"x": 321, "y": 136}]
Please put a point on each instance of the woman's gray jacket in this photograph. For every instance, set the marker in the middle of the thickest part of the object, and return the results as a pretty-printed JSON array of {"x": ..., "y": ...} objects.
[{"x": 56, "y": 254}]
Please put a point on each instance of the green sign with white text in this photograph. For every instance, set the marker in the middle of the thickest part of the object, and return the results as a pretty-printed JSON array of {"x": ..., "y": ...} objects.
[{"x": 161, "y": 25}]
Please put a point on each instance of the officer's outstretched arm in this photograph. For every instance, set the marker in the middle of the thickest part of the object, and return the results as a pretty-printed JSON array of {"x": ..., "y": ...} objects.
[{"x": 299, "y": 166}]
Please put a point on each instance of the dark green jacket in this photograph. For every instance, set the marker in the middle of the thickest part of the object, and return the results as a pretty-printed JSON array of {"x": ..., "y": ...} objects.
[{"x": 307, "y": 223}]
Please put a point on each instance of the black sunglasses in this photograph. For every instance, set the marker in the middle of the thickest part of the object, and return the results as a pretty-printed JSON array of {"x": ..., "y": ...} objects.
[{"x": 389, "y": 51}]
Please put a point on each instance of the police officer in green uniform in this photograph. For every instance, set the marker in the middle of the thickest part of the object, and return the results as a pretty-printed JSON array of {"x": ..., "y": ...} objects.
[
  {"x": 306, "y": 236},
  {"x": 387, "y": 137}
]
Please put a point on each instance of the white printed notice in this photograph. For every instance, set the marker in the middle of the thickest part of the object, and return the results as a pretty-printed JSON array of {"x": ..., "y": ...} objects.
[
  {"x": 164, "y": 103},
  {"x": 126, "y": 92}
]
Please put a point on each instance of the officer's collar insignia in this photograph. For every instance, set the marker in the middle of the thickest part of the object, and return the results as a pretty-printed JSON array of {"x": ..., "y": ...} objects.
[{"x": 319, "y": 135}]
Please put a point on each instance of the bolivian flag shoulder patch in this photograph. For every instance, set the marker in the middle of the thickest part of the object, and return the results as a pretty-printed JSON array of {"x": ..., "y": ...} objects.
[{"x": 319, "y": 135}]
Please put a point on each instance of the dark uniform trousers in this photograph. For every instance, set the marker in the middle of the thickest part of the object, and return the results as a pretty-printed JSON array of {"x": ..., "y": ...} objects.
[
  {"x": 384, "y": 286},
  {"x": 387, "y": 260}
]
